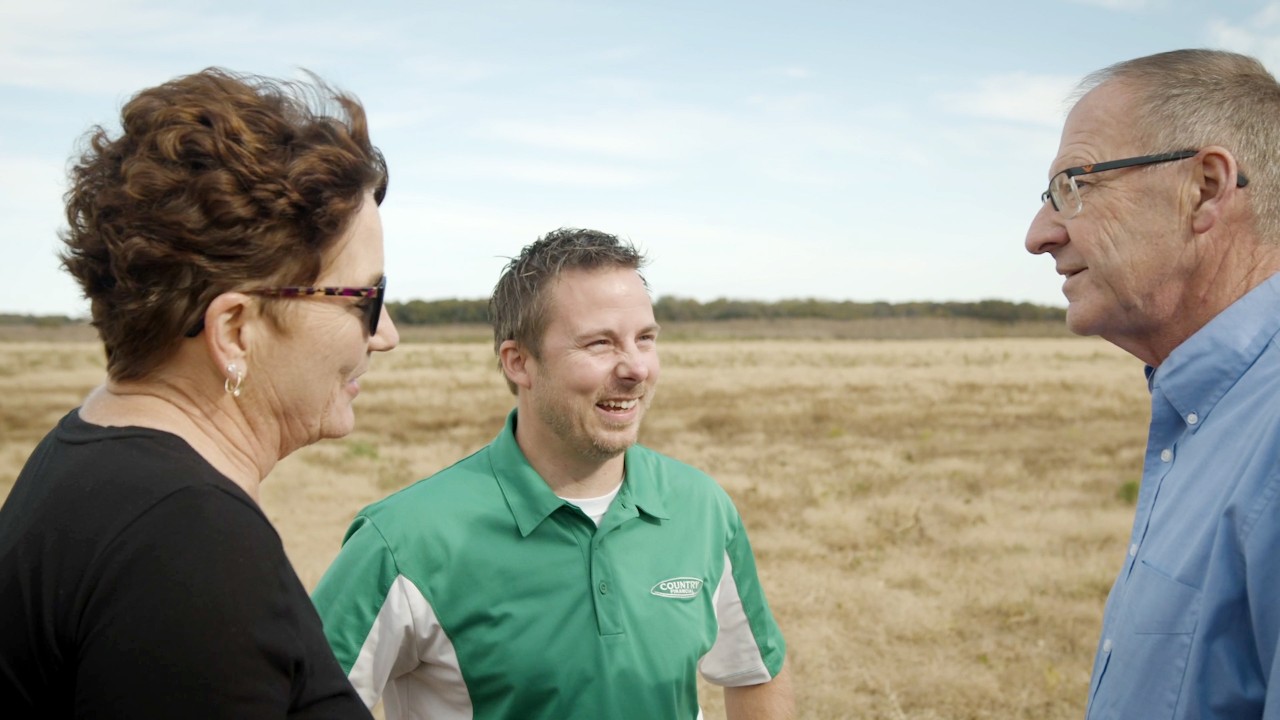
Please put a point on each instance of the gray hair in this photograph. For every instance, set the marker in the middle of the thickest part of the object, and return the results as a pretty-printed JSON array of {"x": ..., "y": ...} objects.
[{"x": 1187, "y": 99}]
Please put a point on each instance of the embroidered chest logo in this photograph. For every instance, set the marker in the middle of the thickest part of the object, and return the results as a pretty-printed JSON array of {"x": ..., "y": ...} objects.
[{"x": 681, "y": 588}]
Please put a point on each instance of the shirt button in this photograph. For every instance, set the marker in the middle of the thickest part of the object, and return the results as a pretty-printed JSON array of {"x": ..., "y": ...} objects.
[
  {"x": 1133, "y": 549},
  {"x": 604, "y": 588},
  {"x": 1106, "y": 645},
  {"x": 1166, "y": 455},
  {"x": 1192, "y": 418}
]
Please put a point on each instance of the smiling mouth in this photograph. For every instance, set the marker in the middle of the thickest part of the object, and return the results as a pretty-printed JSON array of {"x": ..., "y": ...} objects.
[{"x": 618, "y": 405}]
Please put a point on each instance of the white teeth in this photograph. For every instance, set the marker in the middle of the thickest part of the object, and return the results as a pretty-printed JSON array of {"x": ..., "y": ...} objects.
[{"x": 618, "y": 405}]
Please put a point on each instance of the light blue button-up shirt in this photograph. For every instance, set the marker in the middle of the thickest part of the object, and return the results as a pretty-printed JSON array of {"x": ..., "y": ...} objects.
[{"x": 1193, "y": 620}]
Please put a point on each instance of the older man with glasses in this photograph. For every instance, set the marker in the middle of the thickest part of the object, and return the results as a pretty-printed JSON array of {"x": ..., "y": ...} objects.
[{"x": 1171, "y": 254}]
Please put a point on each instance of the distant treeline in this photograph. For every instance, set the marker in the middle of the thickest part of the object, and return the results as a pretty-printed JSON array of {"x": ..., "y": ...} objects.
[
  {"x": 37, "y": 320},
  {"x": 677, "y": 309}
]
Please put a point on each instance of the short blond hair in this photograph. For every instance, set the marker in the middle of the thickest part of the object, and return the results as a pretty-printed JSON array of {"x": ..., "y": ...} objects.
[{"x": 518, "y": 308}]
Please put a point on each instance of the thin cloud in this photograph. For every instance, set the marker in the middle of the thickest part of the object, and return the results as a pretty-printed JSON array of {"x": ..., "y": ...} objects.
[
  {"x": 58, "y": 45},
  {"x": 1259, "y": 36},
  {"x": 32, "y": 188},
  {"x": 794, "y": 72},
  {"x": 549, "y": 172},
  {"x": 445, "y": 72},
  {"x": 1121, "y": 5},
  {"x": 30, "y": 200},
  {"x": 602, "y": 136},
  {"x": 659, "y": 134},
  {"x": 74, "y": 47},
  {"x": 1016, "y": 97}
]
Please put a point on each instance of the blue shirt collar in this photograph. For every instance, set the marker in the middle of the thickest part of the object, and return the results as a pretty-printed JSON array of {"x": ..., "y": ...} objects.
[{"x": 1203, "y": 368}]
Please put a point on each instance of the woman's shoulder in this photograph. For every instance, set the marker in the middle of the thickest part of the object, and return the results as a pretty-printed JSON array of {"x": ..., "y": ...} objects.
[
  {"x": 99, "y": 482},
  {"x": 131, "y": 460}
]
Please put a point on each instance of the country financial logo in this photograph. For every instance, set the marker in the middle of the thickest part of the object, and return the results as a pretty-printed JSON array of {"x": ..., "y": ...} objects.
[{"x": 681, "y": 588}]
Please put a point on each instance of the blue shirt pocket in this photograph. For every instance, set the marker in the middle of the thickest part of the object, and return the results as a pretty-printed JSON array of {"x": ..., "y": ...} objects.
[
  {"x": 1148, "y": 661},
  {"x": 1160, "y": 605}
]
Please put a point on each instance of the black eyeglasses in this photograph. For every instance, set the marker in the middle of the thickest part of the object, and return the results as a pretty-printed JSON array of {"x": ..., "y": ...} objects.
[
  {"x": 1065, "y": 195},
  {"x": 370, "y": 308}
]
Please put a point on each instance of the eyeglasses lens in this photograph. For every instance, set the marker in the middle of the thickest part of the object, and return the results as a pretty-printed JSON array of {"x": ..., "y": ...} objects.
[
  {"x": 1065, "y": 197},
  {"x": 373, "y": 311}
]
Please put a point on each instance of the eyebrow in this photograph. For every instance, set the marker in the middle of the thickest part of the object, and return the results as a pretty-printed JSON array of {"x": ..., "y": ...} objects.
[
  {"x": 604, "y": 332},
  {"x": 1077, "y": 162}
]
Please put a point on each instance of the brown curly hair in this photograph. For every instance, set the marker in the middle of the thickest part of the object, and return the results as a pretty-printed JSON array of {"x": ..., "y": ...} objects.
[{"x": 218, "y": 181}]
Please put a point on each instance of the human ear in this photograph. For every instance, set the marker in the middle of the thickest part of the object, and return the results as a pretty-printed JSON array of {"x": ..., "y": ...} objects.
[
  {"x": 1216, "y": 179},
  {"x": 516, "y": 360},
  {"x": 228, "y": 330}
]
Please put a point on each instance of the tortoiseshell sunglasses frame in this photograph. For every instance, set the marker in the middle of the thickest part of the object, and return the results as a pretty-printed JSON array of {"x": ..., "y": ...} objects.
[{"x": 372, "y": 312}]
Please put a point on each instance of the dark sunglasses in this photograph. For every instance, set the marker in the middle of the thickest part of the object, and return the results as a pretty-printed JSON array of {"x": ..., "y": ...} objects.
[{"x": 371, "y": 308}]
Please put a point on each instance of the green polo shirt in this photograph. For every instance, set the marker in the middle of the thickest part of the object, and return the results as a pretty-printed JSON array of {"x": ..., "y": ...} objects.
[{"x": 477, "y": 593}]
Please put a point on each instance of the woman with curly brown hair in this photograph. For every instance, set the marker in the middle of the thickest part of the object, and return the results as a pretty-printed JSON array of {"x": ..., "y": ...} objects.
[{"x": 230, "y": 244}]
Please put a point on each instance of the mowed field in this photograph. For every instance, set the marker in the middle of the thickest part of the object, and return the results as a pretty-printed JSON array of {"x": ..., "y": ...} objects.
[{"x": 937, "y": 522}]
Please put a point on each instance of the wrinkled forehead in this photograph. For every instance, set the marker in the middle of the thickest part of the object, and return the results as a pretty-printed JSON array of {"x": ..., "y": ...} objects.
[{"x": 1099, "y": 127}]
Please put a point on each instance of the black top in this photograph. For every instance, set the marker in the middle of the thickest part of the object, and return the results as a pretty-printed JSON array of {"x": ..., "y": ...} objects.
[{"x": 138, "y": 582}]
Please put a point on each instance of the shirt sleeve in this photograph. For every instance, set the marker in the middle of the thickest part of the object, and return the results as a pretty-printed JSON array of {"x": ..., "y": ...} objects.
[
  {"x": 367, "y": 614},
  {"x": 1261, "y": 547},
  {"x": 196, "y": 613},
  {"x": 749, "y": 647}
]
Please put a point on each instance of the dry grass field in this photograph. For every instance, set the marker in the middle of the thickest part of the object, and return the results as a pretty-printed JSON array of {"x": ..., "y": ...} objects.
[{"x": 937, "y": 522}]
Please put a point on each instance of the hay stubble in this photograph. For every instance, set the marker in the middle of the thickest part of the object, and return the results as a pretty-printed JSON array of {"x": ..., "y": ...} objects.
[{"x": 937, "y": 522}]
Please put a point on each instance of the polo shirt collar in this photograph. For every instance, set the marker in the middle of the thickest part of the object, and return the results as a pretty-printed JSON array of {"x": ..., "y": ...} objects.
[
  {"x": 530, "y": 498},
  {"x": 528, "y": 495},
  {"x": 1203, "y": 368},
  {"x": 640, "y": 486}
]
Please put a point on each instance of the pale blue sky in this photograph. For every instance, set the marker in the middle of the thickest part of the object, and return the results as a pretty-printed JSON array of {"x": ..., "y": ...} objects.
[{"x": 840, "y": 150}]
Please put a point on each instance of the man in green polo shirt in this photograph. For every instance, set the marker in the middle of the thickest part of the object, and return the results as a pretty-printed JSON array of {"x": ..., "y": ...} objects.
[{"x": 563, "y": 571}]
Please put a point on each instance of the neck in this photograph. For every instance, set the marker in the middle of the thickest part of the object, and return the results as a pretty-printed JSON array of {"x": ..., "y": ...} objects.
[
  {"x": 567, "y": 471},
  {"x": 212, "y": 424},
  {"x": 1221, "y": 279}
]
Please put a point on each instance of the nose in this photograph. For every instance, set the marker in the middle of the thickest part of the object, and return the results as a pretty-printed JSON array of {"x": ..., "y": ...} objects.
[
  {"x": 1047, "y": 231},
  {"x": 636, "y": 364},
  {"x": 387, "y": 336}
]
